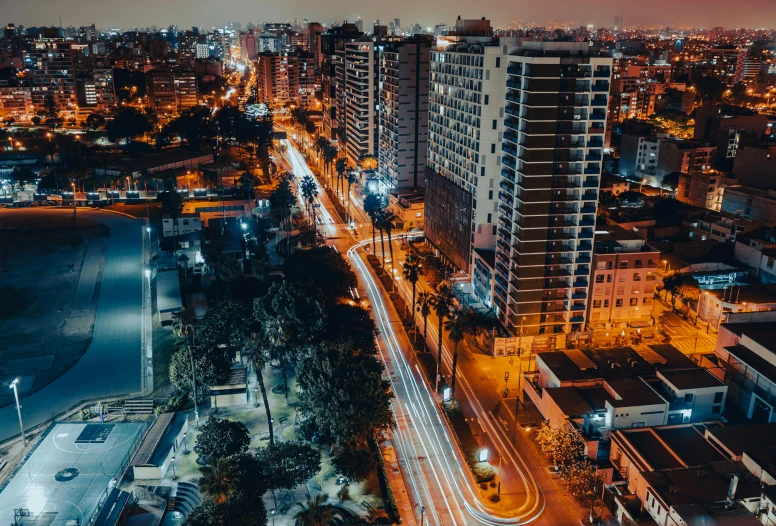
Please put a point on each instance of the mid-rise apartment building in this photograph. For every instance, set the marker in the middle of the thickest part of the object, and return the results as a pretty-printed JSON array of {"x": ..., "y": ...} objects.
[
  {"x": 465, "y": 128},
  {"x": 172, "y": 90},
  {"x": 555, "y": 118},
  {"x": 703, "y": 190},
  {"x": 286, "y": 77},
  {"x": 277, "y": 78},
  {"x": 624, "y": 276},
  {"x": 404, "y": 85},
  {"x": 52, "y": 74}
]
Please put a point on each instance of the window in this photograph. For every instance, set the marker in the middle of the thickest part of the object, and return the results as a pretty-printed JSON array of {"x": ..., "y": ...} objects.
[
  {"x": 608, "y": 278},
  {"x": 490, "y": 196},
  {"x": 498, "y": 64},
  {"x": 634, "y": 302},
  {"x": 618, "y": 302},
  {"x": 495, "y": 124},
  {"x": 623, "y": 264},
  {"x": 639, "y": 263},
  {"x": 487, "y": 98},
  {"x": 492, "y": 148},
  {"x": 606, "y": 303},
  {"x": 596, "y": 304},
  {"x": 718, "y": 398},
  {"x": 636, "y": 276},
  {"x": 621, "y": 278},
  {"x": 599, "y": 278},
  {"x": 620, "y": 291},
  {"x": 688, "y": 397},
  {"x": 489, "y": 217}
]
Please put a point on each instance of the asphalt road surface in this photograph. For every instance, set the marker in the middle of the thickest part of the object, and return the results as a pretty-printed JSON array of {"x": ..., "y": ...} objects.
[{"x": 111, "y": 366}]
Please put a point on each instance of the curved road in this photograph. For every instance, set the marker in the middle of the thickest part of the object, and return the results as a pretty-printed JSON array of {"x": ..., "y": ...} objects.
[
  {"x": 111, "y": 366},
  {"x": 435, "y": 474}
]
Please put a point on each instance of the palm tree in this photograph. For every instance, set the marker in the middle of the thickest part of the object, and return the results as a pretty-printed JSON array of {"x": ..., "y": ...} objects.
[
  {"x": 372, "y": 206},
  {"x": 443, "y": 303},
  {"x": 329, "y": 154},
  {"x": 257, "y": 357},
  {"x": 388, "y": 221},
  {"x": 425, "y": 303},
  {"x": 316, "y": 512},
  {"x": 219, "y": 479},
  {"x": 341, "y": 166},
  {"x": 276, "y": 334},
  {"x": 309, "y": 192},
  {"x": 380, "y": 224},
  {"x": 455, "y": 326},
  {"x": 412, "y": 271}
]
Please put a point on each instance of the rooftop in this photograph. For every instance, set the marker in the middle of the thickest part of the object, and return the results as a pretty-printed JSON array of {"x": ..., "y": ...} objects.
[
  {"x": 699, "y": 487},
  {"x": 695, "y": 378},
  {"x": 754, "y": 361}
]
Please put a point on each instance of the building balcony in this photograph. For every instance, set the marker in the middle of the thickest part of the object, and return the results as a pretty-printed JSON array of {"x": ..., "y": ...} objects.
[
  {"x": 585, "y": 235},
  {"x": 590, "y": 197}
]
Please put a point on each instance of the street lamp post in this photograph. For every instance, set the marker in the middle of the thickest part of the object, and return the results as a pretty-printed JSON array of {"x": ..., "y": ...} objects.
[
  {"x": 190, "y": 333},
  {"x": 172, "y": 465},
  {"x": 18, "y": 409}
]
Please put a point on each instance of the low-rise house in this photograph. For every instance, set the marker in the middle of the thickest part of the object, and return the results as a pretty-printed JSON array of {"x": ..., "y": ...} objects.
[
  {"x": 408, "y": 206},
  {"x": 716, "y": 305},
  {"x": 747, "y": 353},
  {"x": 681, "y": 478},
  {"x": 602, "y": 390},
  {"x": 758, "y": 252},
  {"x": 186, "y": 223}
]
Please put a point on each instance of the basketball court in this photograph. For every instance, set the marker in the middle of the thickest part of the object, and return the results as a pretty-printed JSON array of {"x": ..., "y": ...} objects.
[{"x": 62, "y": 482}]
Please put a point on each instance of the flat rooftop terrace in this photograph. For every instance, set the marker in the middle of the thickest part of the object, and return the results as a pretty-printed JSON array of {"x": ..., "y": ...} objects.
[{"x": 68, "y": 472}]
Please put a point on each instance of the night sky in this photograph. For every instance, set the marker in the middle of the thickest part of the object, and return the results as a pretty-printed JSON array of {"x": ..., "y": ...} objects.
[{"x": 209, "y": 13}]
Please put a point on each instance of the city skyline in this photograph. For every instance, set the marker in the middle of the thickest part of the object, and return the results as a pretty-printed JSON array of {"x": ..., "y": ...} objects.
[{"x": 600, "y": 13}]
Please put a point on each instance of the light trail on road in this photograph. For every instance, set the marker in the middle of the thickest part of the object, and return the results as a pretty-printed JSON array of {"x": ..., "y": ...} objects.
[{"x": 433, "y": 467}]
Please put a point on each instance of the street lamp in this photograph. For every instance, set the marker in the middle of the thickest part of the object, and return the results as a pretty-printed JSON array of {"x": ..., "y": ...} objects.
[
  {"x": 667, "y": 267},
  {"x": 18, "y": 409},
  {"x": 172, "y": 464}
]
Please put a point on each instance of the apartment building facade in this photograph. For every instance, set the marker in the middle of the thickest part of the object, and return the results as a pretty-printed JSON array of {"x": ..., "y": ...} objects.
[
  {"x": 52, "y": 74},
  {"x": 403, "y": 141},
  {"x": 623, "y": 281},
  {"x": 465, "y": 128},
  {"x": 358, "y": 98},
  {"x": 555, "y": 120}
]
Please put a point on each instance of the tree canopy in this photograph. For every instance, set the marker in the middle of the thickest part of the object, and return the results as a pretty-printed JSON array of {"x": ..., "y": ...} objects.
[
  {"x": 325, "y": 268},
  {"x": 220, "y": 438},
  {"x": 351, "y": 323},
  {"x": 343, "y": 393},
  {"x": 289, "y": 464},
  {"x": 128, "y": 124}
]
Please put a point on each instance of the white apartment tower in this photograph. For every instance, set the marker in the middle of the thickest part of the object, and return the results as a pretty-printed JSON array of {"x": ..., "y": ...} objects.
[
  {"x": 403, "y": 141},
  {"x": 465, "y": 128}
]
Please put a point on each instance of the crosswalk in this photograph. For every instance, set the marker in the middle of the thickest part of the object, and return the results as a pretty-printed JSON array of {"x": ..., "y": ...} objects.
[{"x": 705, "y": 343}]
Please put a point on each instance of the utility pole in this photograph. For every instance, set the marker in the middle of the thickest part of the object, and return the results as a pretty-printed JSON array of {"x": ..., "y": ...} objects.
[{"x": 422, "y": 516}]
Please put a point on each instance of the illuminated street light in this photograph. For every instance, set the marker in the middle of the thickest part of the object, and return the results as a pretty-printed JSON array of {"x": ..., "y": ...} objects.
[
  {"x": 483, "y": 454},
  {"x": 18, "y": 409}
]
